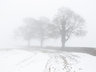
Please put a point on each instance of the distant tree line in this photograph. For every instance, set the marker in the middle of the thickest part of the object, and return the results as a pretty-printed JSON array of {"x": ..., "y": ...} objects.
[{"x": 64, "y": 25}]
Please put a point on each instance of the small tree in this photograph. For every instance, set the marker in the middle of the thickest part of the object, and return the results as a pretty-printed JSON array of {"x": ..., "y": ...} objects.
[
  {"x": 27, "y": 31},
  {"x": 68, "y": 23},
  {"x": 40, "y": 29},
  {"x": 44, "y": 29}
]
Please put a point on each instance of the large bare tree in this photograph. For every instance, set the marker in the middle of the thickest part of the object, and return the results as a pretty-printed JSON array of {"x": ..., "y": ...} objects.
[{"x": 68, "y": 23}]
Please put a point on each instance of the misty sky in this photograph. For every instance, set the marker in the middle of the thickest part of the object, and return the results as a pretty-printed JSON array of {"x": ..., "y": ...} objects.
[{"x": 13, "y": 11}]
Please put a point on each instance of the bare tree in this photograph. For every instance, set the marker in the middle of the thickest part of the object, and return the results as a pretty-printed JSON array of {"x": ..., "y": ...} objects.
[
  {"x": 68, "y": 23},
  {"x": 44, "y": 29},
  {"x": 27, "y": 30},
  {"x": 40, "y": 29}
]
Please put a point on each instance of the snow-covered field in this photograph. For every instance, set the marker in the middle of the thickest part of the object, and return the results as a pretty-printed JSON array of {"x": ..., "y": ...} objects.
[{"x": 18, "y": 60}]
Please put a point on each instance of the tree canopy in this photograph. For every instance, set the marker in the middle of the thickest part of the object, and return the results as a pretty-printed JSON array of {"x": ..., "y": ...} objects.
[
  {"x": 64, "y": 25},
  {"x": 68, "y": 23}
]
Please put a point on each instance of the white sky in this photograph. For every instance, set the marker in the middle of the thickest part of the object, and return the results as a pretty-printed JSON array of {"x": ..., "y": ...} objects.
[{"x": 13, "y": 11}]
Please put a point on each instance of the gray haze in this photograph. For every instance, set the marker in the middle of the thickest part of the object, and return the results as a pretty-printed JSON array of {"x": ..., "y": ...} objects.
[{"x": 13, "y": 11}]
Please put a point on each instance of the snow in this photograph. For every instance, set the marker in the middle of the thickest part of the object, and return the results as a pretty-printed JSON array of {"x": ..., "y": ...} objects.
[{"x": 18, "y": 60}]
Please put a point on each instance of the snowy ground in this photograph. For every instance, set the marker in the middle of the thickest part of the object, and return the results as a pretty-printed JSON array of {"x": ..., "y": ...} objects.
[{"x": 17, "y": 60}]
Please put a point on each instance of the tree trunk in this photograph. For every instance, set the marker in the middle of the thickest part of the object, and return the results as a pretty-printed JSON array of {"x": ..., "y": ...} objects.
[
  {"x": 41, "y": 45},
  {"x": 63, "y": 34},
  {"x": 62, "y": 42},
  {"x": 29, "y": 45}
]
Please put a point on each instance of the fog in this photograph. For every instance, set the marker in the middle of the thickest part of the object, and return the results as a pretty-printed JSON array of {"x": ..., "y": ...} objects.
[{"x": 12, "y": 13}]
